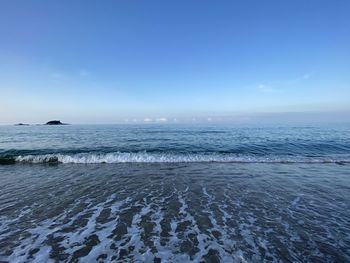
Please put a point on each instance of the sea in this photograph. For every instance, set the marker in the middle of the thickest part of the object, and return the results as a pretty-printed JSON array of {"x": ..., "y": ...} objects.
[{"x": 175, "y": 193}]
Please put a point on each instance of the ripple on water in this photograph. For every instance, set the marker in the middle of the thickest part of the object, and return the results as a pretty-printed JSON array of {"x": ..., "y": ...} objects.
[{"x": 169, "y": 213}]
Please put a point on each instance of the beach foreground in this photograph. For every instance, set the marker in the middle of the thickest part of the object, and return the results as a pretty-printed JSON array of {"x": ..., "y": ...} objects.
[{"x": 175, "y": 212}]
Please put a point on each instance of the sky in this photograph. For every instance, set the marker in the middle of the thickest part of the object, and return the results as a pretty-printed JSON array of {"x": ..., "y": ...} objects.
[{"x": 169, "y": 61}]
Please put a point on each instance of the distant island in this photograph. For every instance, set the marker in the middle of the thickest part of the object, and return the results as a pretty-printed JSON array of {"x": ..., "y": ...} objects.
[
  {"x": 22, "y": 124},
  {"x": 55, "y": 122}
]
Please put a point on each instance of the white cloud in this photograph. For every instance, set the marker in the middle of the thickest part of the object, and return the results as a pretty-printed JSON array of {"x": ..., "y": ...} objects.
[
  {"x": 265, "y": 88},
  {"x": 293, "y": 81},
  {"x": 162, "y": 119},
  {"x": 261, "y": 86},
  {"x": 271, "y": 86},
  {"x": 147, "y": 120}
]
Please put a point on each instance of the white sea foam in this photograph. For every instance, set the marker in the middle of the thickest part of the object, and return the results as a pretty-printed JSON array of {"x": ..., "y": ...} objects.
[
  {"x": 175, "y": 219},
  {"x": 167, "y": 157}
]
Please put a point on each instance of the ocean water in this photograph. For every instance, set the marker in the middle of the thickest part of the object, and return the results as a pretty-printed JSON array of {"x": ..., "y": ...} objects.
[
  {"x": 174, "y": 143},
  {"x": 175, "y": 193}
]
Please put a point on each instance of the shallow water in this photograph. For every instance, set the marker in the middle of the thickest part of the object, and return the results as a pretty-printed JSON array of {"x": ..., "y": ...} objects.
[{"x": 175, "y": 212}]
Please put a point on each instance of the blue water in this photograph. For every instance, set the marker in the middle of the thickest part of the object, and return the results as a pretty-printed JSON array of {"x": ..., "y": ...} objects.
[
  {"x": 174, "y": 143},
  {"x": 175, "y": 193}
]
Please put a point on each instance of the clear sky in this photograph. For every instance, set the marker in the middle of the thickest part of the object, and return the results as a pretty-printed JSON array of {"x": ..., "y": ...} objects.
[{"x": 114, "y": 61}]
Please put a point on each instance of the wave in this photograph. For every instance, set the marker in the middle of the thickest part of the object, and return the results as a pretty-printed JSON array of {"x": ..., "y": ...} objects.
[{"x": 145, "y": 157}]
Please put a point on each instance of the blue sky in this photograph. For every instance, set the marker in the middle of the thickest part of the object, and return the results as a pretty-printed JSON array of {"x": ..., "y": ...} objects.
[{"x": 117, "y": 61}]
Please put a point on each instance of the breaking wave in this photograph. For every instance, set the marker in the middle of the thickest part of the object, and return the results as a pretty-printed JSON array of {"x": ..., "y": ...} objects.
[{"x": 165, "y": 157}]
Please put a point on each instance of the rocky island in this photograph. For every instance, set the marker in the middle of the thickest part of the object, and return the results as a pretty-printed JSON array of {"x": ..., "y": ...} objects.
[
  {"x": 21, "y": 124},
  {"x": 55, "y": 122}
]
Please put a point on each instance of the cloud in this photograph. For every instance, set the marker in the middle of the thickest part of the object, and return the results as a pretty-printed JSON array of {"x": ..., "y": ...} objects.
[
  {"x": 265, "y": 88},
  {"x": 293, "y": 81},
  {"x": 162, "y": 119},
  {"x": 147, "y": 120},
  {"x": 271, "y": 86}
]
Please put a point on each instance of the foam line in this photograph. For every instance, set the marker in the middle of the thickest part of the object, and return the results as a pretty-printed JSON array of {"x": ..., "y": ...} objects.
[{"x": 167, "y": 157}]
